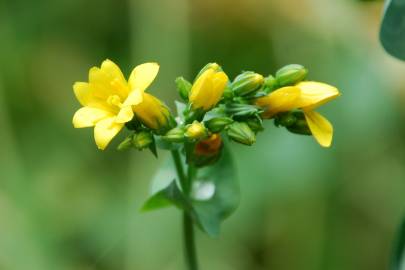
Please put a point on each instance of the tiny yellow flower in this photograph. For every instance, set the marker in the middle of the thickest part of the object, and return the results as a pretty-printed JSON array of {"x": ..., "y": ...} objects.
[
  {"x": 108, "y": 98},
  {"x": 306, "y": 96},
  {"x": 207, "y": 90}
]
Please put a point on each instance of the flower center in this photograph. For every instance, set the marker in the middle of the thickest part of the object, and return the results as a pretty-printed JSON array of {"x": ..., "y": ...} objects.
[{"x": 114, "y": 100}]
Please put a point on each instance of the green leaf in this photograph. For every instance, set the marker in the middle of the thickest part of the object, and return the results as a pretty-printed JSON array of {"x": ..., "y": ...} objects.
[
  {"x": 180, "y": 108},
  {"x": 171, "y": 195},
  {"x": 392, "y": 30},
  {"x": 398, "y": 257},
  {"x": 215, "y": 194}
]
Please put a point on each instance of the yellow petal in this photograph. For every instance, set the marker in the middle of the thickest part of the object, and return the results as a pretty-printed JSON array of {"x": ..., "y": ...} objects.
[
  {"x": 108, "y": 80},
  {"x": 219, "y": 83},
  {"x": 281, "y": 100},
  {"x": 105, "y": 130},
  {"x": 142, "y": 76},
  {"x": 125, "y": 115},
  {"x": 314, "y": 94},
  {"x": 321, "y": 128},
  {"x": 88, "y": 117},
  {"x": 201, "y": 92},
  {"x": 134, "y": 97},
  {"x": 83, "y": 93}
]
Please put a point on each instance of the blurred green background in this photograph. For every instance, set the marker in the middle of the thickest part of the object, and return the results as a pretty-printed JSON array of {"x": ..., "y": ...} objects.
[{"x": 66, "y": 205}]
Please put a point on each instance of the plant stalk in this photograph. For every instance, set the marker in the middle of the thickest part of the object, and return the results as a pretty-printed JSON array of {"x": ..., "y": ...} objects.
[{"x": 188, "y": 228}]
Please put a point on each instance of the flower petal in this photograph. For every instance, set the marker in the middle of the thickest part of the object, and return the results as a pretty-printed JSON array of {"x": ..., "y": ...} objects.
[
  {"x": 201, "y": 92},
  {"x": 142, "y": 76},
  {"x": 219, "y": 82},
  {"x": 281, "y": 100},
  {"x": 134, "y": 98},
  {"x": 314, "y": 94},
  {"x": 108, "y": 80},
  {"x": 105, "y": 130},
  {"x": 125, "y": 115},
  {"x": 321, "y": 128},
  {"x": 83, "y": 93},
  {"x": 88, "y": 117}
]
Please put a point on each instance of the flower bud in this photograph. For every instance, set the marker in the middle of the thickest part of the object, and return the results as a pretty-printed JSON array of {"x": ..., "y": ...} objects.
[
  {"x": 213, "y": 66},
  {"x": 241, "y": 133},
  {"x": 294, "y": 121},
  {"x": 175, "y": 135},
  {"x": 218, "y": 124},
  {"x": 291, "y": 74},
  {"x": 196, "y": 131},
  {"x": 154, "y": 114},
  {"x": 142, "y": 140},
  {"x": 270, "y": 83},
  {"x": 256, "y": 124},
  {"x": 125, "y": 144},
  {"x": 183, "y": 87},
  {"x": 247, "y": 83},
  {"x": 208, "y": 88},
  {"x": 207, "y": 151}
]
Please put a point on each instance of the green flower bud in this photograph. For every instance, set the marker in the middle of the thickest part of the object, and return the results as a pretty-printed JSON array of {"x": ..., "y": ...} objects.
[
  {"x": 291, "y": 74},
  {"x": 183, "y": 87},
  {"x": 142, "y": 140},
  {"x": 241, "y": 133},
  {"x": 270, "y": 83},
  {"x": 256, "y": 124},
  {"x": 196, "y": 131},
  {"x": 294, "y": 121},
  {"x": 247, "y": 83},
  {"x": 217, "y": 124},
  {"x": 175, "y": 135},
  {"x": 125, "y": 144}
]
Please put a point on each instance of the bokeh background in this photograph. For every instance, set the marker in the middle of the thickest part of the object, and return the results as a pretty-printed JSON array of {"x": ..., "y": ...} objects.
[{"x": 66, "y": 205}]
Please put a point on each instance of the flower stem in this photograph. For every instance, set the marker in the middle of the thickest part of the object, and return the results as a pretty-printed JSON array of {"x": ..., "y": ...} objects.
[{"x": 188, "y": 229}]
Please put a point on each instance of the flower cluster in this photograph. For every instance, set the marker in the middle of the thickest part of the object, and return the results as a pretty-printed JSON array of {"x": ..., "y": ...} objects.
[{"x": 213, "y": 107}]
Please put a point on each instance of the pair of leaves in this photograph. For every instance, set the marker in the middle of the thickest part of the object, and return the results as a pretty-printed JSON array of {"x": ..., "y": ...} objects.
[{"x": 214, "y": 195}]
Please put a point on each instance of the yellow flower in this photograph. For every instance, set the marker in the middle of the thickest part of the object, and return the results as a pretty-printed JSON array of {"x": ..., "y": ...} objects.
[
  {"x": 108, "y": 98},
  {"x": 306, "y": 96},
  {"x": 207, "y": 90}
]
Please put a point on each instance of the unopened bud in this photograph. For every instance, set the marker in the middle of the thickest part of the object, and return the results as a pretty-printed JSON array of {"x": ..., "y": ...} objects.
[
  {"x": 207, "y": 151},
  {"x": 241, "y": 133},
  {"x": 183, "y": 87},
  {"x": 256, "y": 124},
  {"x": 217, "y": 124},
  {"x": 142, "y": 140},
  {"x": 213, "y": 66},
  {"x": 291, "y": 74},
  {"x": 270, "y": 84},
  {"x": 125, "y": 144},
  {"x": 247, "y": 83},
  {"x": 294, "y": 121},
  {"x": 175, "y": 135},
  {"x": 196, "y": 131}
]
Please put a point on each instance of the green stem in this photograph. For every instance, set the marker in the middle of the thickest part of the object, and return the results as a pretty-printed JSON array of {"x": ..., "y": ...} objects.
[{"x": 188, "y": 229}]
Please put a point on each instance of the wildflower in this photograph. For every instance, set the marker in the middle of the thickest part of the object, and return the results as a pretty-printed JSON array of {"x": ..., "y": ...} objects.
[
  {"x": 108, "y": 98},
  {"x": 306, "y": 96},
  {"x": 208, "y": 88}
]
